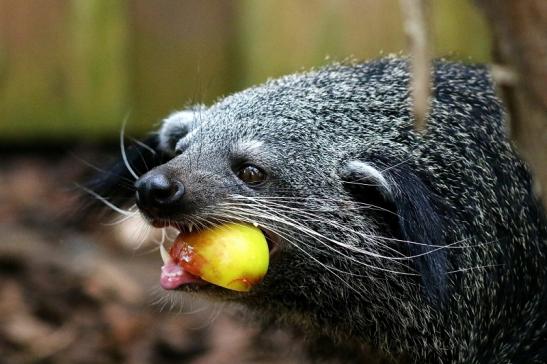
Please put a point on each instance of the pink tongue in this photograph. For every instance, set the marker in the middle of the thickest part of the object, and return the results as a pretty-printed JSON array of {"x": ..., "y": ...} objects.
[{"x": 174, "y": 276}]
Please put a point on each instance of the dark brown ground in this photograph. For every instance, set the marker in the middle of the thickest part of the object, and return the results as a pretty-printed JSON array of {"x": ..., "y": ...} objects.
[{"x": 75, "y": 291}]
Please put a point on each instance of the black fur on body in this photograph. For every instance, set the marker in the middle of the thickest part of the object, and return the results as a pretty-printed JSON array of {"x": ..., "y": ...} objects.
[{"x": 429, "y": 246}]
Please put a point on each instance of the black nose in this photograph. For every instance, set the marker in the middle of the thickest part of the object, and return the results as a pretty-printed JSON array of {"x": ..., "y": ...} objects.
[{"x": 155, "y": 190}]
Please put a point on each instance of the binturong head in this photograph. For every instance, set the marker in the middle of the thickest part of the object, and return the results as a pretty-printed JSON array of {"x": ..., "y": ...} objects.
[{"x": 320, "y": 164}]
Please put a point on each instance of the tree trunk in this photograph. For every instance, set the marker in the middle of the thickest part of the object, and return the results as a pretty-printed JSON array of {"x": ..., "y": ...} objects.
[{"x": 520, "y": 45}]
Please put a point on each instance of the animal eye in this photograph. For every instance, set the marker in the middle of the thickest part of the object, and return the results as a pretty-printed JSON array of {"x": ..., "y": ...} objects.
[{"x": 251, "y": 175}]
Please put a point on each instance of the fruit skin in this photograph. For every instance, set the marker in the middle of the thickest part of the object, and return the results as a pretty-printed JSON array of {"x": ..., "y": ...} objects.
[{"x": 233, "y": 256}]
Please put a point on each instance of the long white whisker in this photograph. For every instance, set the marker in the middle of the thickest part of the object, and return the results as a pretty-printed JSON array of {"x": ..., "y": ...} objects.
[
  {"x": 136, "y": 141},
  {"x": 124, "y": 218},
  {"x": 122, "y": 148},
  {"x": 366, "y": 236},
  {"x": 473, "y": 268},
  {"x": 347, "y": 204},
  {"x": 396, "y": 165},
  {"x": 278, "y": 231},
  {"x": 317, "y": 236},
  {"x": 313, "y": 217},
  {"x": 106, "y": 202}
]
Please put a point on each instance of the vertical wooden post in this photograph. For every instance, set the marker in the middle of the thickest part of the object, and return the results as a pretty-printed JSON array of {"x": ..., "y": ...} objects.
[
  {"x": 417, "y": 26},
  {"x": 520, "y": 46}
]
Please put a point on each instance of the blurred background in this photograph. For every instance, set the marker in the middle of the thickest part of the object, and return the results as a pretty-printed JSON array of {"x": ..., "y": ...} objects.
[
  {"x": 76, "y": 290},
  {"x": 71, "y": 70}
]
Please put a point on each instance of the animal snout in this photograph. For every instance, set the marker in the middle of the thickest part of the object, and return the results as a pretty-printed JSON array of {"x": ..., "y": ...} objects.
[{"x": 158, "y": 192}]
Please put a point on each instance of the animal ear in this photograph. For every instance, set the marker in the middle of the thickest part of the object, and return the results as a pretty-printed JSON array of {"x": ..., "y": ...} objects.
[
  {"x": 176, "y": 127},
  {"x": 416, "y": 216},
  {"x": 115, "y": 183}
]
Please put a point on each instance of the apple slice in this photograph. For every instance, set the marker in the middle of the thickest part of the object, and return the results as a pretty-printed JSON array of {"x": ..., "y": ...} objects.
[{"x": 233, "y": 256}]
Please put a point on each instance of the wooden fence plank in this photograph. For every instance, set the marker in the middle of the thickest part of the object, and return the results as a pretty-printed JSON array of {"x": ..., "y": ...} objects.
[{"x": 75, "y": 68}]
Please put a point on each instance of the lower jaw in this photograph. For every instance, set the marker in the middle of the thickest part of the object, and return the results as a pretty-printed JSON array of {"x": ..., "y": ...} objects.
[{"x": 173, "y": 276}]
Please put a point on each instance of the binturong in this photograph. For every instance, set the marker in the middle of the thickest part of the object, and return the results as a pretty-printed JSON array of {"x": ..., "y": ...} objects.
[{"x": 429, "y": 247}]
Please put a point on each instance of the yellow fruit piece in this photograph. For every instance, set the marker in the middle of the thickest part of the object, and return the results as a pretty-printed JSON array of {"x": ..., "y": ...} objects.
[{"x": 233, "y": 256}]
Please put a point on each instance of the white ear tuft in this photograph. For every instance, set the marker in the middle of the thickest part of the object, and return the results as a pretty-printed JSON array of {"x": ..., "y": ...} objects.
[
  {"x": 176, "y": 126},
  {"x": 371, "y": 174}
]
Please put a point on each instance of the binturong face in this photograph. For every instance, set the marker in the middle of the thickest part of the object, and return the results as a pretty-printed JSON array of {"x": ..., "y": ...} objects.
[
  {"x": 268, "y": 173},
  {"x": 337, "y": 208}
]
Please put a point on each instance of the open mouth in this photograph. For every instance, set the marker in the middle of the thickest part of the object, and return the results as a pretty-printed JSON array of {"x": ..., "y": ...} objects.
[{"x": 234, "y": 256}]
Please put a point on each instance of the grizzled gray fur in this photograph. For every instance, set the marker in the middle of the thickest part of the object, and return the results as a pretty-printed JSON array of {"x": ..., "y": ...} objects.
[{"x": 428, "y": 247}]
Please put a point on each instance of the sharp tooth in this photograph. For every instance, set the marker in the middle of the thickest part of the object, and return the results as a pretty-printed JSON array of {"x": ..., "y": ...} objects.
[
  {"x": 164, "y": 255},
  {"x": 255, "y": 224},
  {"x": 190, "y": 226}
]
